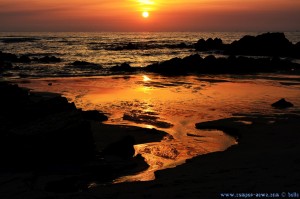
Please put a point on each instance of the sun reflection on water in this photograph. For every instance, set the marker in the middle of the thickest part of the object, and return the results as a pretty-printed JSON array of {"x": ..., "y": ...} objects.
[{"x": 171, "y": 104}]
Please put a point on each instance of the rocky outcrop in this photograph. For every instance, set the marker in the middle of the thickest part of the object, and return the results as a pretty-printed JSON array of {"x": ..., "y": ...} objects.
[
  {"x": 94, "y": 115},
  {"x": 266, "y": 44},
  {"x": 122, "y": 148},
  {"x": 282, "y": 103},
  {"x": 209, "y": 44},
  {"x": 84, "y": 65},
  {"x": 213, "y": 65},
  {"x": 124, "y": 67}
]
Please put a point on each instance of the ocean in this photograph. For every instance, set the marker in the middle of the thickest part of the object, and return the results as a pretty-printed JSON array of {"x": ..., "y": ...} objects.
[{"x": 107, "y": 49}]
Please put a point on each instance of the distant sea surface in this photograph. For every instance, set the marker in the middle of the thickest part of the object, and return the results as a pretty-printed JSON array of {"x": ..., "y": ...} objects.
[{"x": 107, "y": 49}]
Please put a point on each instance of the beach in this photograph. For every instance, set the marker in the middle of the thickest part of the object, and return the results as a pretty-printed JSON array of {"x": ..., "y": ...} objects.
[{"x": 185, "y": 127}]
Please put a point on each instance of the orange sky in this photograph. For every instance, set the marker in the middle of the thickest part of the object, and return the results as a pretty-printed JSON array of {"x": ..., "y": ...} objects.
[{"x": 125, "y": 15}]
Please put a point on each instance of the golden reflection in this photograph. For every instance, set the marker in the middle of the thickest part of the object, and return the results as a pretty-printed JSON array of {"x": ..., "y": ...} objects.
[{"x": 146, "y": 78}]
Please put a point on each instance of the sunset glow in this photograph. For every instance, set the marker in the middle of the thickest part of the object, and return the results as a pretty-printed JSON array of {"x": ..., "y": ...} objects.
[
  {"x": 145, "y": 14},
  {"x": 189, "y": 15}
]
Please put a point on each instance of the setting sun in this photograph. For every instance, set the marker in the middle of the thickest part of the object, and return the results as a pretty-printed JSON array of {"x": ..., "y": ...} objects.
[{"x": 145, "y": 14}]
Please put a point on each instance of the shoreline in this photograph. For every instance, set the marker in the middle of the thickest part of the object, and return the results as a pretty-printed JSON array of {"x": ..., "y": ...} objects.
[
  {"x": 240, "y": 168},
  {"x": 265, "y": 161}
]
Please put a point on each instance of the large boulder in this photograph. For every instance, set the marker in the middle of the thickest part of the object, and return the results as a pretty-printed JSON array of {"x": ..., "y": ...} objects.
[
  {"x": 94, "y": 115},
  {"x": 268, "y": 44},
  {"x": 123, "y": 148}
]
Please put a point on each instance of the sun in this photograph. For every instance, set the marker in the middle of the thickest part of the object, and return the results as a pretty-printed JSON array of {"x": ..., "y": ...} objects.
[{"x": 145, "y": 14}]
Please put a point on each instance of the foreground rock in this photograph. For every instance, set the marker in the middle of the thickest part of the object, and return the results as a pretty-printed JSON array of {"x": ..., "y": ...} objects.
[{"x": 49, "y": 141}]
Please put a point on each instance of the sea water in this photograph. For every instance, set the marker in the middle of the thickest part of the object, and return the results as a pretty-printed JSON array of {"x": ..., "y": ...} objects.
[{"x": 105, "y": 48}]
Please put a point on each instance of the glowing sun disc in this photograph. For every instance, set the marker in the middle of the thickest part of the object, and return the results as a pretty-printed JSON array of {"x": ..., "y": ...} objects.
[{"x": 145, "y": 14}]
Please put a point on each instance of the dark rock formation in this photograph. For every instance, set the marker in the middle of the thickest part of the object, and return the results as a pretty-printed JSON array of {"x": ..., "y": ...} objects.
[
  {"x": 8, "y": 57},
  {"x": 122, "y": 148},
  {"x": 282, "y": 103},
  {"x": 44, "y": 134},
  {"x": 49, "y": 59},
  {"x": 269, "y": 44},
  {"x": 209, "y": 44},
  {"x": 94, "y": 115},
  {"x": 213, "y": 65},
  {"x": 36, "y": 132},
  {"x": 5, "y": 66},
  {"x": 174, "y": 66},
  {"x": 18, "y": 39},
  {"x": 124, "y": 67},
  {"x": 85, "y": 65},
  {"x": 24, "y": 59}
]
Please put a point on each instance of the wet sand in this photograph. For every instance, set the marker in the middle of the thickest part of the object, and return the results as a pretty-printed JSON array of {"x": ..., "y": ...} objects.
[{"x": 266, "y": 160}]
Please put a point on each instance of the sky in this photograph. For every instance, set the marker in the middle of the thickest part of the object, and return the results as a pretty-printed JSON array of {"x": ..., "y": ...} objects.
[{"x": 126, "y": 15}]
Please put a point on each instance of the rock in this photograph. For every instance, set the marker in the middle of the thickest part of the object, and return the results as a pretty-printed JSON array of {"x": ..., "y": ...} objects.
[
  {"x": 18, "y": 39},
  {"x": 94, "y": 115},
  {"x": 267, "y": 44},
  {"x": 124, "y": 67},
  {"x": 5, "y": 65},
  {"x": 85, "y": 65},
  {"x": 8, "y": 57},
  {"x": 122, "y": 148},
  {"x": 24, "y": 59},
  {"x": 54, "y": 105},
  {"x": 209, "y": 44},
  {"x": 213, "y": 65},
  {"x": 49, "y": 59},
  {"x": 282, "y": 103}
]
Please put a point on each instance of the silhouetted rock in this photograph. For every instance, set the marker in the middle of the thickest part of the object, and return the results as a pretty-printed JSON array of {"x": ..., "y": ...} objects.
[
  {"x": 49, "y": 59},
  {"x": 269, "y": 44},
  {"x": 94, "y": 115},
  {"x": 209, "y": 44},
  {"x": 282, "y": 103},
  {"x": 18, "y": 39},
  {"x": 213, "y": 65},
  {"x": 5, "y": 65},
  {"x": 192, "y": 62},
  {"x": 37, "y": 131},
  {"x": 173, "y": 66},
  {"x": 24, "y": 59},
  {"x": 8, "y": 57},
  {"x": 85, "y": 65},
  {"x": 122, "y": 148},
  {"x": 54, "y": 105},
  {"x": 124, "y": 67}
]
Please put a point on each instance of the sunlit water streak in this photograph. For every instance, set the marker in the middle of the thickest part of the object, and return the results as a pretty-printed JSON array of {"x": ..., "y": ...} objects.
[{"x": 180, "y": 101}]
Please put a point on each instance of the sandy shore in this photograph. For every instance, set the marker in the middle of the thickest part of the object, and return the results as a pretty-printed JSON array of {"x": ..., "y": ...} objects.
[{"x": 266, "y": 160}]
